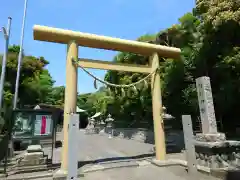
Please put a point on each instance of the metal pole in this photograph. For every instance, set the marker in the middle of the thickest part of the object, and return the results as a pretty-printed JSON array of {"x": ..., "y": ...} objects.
[
  {"x": 19, "y": 58},
  {"x": 4, "y": 61}
]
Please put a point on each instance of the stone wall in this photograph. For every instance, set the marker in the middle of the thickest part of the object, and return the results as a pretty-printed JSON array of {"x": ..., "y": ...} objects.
[
  {"x": 218, "y": 154},
  {"x": 173, "y": 137},
  {"x": 141, "y": 135}
]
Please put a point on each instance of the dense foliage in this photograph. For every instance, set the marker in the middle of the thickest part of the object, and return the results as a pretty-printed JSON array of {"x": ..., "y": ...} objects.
[
  {"x": 209, "y": 40},
  {"x": 210, "y": 43}
]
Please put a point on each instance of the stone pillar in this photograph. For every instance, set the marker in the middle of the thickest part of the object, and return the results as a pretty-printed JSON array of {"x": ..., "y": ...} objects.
[
  {"x": 159, "y": 135},
  {"x": 70, "y": 102},
  {"x": 206, "y": 106}
]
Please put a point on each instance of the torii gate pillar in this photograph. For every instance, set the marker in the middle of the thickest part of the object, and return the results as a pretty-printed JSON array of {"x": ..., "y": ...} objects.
[
  {"x": 70, "y": 102},
  {"x": 159, "y": 135}
]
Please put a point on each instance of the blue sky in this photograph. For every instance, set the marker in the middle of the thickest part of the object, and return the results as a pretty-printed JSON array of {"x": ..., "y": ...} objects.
[{"x": 126, "y": 19}]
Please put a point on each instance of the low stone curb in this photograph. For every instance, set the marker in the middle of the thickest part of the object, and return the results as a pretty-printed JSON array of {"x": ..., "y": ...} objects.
[
  {"x": 218, "y": 173},
  {"x": 100, "y": 167},
  {"x": 64, "y": 176},
  {"x": 81, "y": 172},
  {"x": 27, "y": 169},
  {"x": 49, "y": 175}
]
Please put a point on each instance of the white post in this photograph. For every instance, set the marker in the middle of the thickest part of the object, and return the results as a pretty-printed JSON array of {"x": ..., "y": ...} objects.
[
  {"x": 73, "y": 128},
  {"x": 189, "y": 145}
]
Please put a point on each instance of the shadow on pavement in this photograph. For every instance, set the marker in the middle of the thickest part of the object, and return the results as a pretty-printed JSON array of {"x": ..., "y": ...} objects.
[
  {"x": 112, "y": 159},
  {"x": 120, "y": 158}
]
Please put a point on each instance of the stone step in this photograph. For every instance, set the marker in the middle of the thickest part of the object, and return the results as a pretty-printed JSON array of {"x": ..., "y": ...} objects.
[{"x": 33, "y": 161}]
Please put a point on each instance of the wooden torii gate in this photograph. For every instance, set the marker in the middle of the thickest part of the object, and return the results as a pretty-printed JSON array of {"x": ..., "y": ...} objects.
[{"x": 74, "y": 39}]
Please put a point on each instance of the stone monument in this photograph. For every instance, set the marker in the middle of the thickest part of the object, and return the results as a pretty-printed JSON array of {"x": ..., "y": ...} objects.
[
  {"x": 212, "y": 148},
  {"x": 207, "y": 114}
]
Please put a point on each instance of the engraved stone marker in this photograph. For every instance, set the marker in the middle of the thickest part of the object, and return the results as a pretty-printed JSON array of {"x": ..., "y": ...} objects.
[{"x": 205, "y": 100}]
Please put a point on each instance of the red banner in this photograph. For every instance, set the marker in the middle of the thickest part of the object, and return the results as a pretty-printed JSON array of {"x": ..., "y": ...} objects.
[{"x": 43, "y": 125}]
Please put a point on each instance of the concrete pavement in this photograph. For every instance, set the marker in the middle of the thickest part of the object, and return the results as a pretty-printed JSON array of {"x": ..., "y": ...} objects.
[
  {"x": 97, "y": 147},
  {"x": 102, "y": 158}
]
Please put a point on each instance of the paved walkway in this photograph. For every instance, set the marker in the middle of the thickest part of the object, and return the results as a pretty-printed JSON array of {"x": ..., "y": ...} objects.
[
  {"x": 122, "y": 158},
  {"x": 148, "y": 172},
  {"x": 97, "y": 147}
]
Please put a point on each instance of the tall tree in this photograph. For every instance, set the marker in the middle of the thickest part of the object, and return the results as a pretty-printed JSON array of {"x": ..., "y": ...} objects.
[{"x": 35, "y": 81}]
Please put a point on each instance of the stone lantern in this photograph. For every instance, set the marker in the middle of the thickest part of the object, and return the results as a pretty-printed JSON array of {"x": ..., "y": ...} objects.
[
  {"x": 170, "y": 136},
  {"x": 91, "y": 122},
  {"x": 90, "y": 129},
  {"x": 109, "y": 127},
  {"x": 167, "y": 119},
  {"x": 101, "y": 127}
]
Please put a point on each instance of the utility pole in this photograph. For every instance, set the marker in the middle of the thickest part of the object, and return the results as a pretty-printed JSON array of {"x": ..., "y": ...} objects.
[
  {"x": 20, "y": 58},
  {"x": 6, "y": 34}
]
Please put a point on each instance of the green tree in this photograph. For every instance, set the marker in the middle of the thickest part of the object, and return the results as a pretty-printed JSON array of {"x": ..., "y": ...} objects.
[
  {"x": 209, "y": 42},
  {"x": 95, "y": 102},
  {"x": 218, "y": 56},
  {"x": 56, "y": 96},
  {"x": 35, "y": 81}
]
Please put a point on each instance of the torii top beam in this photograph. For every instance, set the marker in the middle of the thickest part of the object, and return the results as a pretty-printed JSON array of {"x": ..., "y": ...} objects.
[{"x": 44, "y": 33}]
